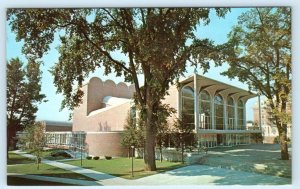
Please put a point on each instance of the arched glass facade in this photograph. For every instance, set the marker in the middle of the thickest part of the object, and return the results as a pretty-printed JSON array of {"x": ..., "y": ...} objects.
[
  {"x": 205, "y": 110},
  {"x": 219, "y": 112},
  {"x": 240, "y": 116},
  {"x": 188, "y": 104},
  {"x": 230, "y": 113}
]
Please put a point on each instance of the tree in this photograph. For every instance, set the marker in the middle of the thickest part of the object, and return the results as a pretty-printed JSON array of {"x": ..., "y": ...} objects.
[
  {"x": 183, "y": 134},
  {"x": 155, "y": 42},
  {"x": 162, "y": 125},
  {"x": 133, "y": 134},
  {"x": 34, "y": 139},
  {"x": 259, "y": 53},
  {"x": 23, "y": 94}
]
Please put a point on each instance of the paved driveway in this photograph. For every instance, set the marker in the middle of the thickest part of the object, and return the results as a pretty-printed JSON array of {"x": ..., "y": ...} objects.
[{"x": 205, "y": 175}]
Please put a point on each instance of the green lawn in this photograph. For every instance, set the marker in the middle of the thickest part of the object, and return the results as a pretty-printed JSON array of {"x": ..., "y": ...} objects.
[
  {"x": 121, "y": 167},
  {"x": 17, "y": 159},
  {"x": 45, "y": 170}
]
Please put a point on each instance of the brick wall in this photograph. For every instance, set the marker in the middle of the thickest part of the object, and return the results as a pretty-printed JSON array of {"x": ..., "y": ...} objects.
[{"x": 105, "y": 144}]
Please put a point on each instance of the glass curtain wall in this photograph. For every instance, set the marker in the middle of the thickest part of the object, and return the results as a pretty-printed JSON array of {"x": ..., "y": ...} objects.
[
  {"x": 205, "y": 110},
  {"x": 219, "y": 112},
  {"x": 240, "y": 115},
  {"x": 188, "y": 105},
  {"x": 230, "y": 113}
]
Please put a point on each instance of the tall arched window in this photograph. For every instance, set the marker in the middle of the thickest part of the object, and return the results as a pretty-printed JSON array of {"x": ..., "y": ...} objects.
[
  {"x": 205, "y": 110},
  {"x": 230, "y": 110},
  {"x": 240, "y": 115},
  {"x": 188, "y": 105},
  {"x": 219, "y": 112}
]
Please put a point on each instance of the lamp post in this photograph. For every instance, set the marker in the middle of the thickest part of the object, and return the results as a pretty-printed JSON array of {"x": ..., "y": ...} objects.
[
  {"x": 132, "y": 154},
  {"x": 80, "y": 148}
]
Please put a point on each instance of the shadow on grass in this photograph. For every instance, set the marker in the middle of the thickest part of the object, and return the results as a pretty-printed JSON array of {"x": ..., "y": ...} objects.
[{"x": 15, "y": 181}]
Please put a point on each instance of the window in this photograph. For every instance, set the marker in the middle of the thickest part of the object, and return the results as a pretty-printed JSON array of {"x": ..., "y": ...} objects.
[
  {"x": 188, "y": 105},
  {"x": 219, "y": 112},
  {"x": 205, "y": 110},
  {"x": 230, "y": 111},
  {"x": 240, "y": 115}
]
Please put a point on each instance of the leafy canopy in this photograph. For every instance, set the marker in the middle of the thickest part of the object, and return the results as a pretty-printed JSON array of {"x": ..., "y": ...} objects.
[{"x": 156, "y": 42}]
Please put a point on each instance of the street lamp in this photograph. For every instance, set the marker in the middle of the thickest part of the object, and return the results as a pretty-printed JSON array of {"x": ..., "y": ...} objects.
[
  {"x": 132, "y": 154},
  {"x": 80, "y": 148}
]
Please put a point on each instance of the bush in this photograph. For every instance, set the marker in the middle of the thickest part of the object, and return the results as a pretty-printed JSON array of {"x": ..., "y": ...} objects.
[
  {"x": 89, "y": 157},
  {"x": 60, "y": 153},
  {"x": 108, "y": 157},
  {"x": 96, "y": 157}
]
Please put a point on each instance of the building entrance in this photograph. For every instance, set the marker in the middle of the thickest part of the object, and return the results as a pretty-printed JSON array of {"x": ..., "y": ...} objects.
[{"x": 220, "y": 140}]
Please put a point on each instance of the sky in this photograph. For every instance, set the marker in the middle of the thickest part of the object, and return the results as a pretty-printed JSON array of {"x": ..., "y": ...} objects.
[
  {"x": 217, "y": 31},
  {"x": 50, "y": 110}
]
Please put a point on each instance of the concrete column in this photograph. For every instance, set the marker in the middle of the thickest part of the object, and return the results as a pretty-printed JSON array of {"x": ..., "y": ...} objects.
[
  {"x": 235, "y": 115},
  {"x": 259, "y": 112},
  {"x": 196, "y": 103},
  {"x": 213, "y": 124},
  {"x": 179, "y": 102},
  {"x": 244, "y": 116},
  {"x": 225, "y": 115}
]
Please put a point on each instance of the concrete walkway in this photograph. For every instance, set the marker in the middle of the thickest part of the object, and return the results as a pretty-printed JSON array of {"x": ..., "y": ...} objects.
[{"x": 189, "y": 175}]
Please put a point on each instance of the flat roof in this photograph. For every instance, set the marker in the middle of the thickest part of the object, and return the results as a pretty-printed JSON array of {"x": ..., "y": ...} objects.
[
  {"x": 58, "y": 123},
  {"x": 205, "y": 82}
]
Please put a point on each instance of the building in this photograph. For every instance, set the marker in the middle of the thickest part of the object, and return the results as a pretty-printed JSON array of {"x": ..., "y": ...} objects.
[
  {"x": 56, "y": 126},
  {"x": 269, "y": 129},
  {"x": 215, "y": 109}
]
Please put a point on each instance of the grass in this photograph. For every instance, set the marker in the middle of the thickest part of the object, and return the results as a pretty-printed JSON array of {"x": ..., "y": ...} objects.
[
  {"x": 121, "y": 167},
  {"x": 45, "y": 170},
  {"x": 17, "y": 159}
]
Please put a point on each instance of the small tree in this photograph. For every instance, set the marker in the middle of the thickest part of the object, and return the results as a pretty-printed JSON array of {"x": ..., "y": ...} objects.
[
  {"x": 23, "y": 95},
  {"x": 133, "y": 133},
  {"x": 162, "y": 126},
  {"x": 34, "y": 139},
  {"x": 183, "y": 134},
  {"x": 257, "y": 137}
]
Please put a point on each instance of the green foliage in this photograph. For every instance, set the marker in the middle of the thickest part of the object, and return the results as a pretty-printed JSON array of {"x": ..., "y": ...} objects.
[
  {"x": 162, "y": 125},
  {"x": 259, "y": 54},
  {"x": 89, "y": 38},
  {"x": 23, "y": 94},
  {"x": 133, "y": 134},
  {"x": 34, "y": 140},
  {"x": 183, "y": 135}
]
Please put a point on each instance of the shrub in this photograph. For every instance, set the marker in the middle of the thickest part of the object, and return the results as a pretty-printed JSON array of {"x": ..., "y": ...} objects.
[
  {"x": 89, "y": 157},
  {"x": 96, "y": 157},
  {"x": 108, "y": 157}
]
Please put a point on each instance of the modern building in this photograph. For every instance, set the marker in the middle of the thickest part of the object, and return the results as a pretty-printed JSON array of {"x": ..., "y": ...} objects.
[
  {"x": 269, "y": 129},
  {"x": 216, "y": 110},
  {"x": 56, "y": 126}
]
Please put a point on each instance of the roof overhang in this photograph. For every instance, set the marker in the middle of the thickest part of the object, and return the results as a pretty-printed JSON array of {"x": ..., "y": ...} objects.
[{"x": 205, "y": 83}]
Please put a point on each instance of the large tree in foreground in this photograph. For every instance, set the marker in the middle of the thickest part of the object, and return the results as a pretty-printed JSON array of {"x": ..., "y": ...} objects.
[
  {"x": 259, "y": 54},
  {"x": 157, "y": 43},
  {"x": 23, "y": 95}
]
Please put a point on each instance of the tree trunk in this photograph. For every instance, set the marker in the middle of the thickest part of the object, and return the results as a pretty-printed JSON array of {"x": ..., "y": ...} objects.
[
  {"x": 182, "y": 153},
  {"x": 150, "y": 141},
  {"x": 283, "y": 142},
  {"x": 161, "y": 156}
]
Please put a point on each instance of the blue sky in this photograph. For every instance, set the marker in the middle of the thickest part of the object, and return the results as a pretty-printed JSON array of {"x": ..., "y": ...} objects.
[{"x": 217, "y": 31}]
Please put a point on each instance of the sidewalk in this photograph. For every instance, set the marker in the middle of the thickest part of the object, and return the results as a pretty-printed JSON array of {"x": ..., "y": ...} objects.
[{"x": 189, "y": 175}]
